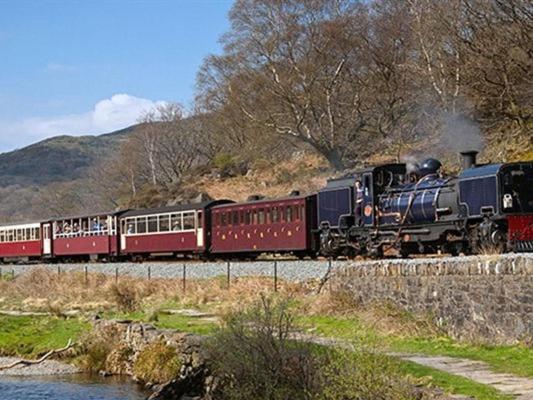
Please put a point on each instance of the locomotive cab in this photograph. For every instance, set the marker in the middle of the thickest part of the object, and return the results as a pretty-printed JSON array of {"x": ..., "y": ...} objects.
[{"x": 516, "y": 202}]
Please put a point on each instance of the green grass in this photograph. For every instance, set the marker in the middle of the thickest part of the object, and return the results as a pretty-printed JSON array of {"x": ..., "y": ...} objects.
[
  {"x": 31, "y": 336},
  {"x": 517, "y": 360},
  {"x": 452, "y": 383},
  {"x": 182, "y": 323}
]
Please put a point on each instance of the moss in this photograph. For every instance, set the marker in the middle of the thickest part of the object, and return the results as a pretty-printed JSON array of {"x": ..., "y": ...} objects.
[{"x": 157, "y": 363}]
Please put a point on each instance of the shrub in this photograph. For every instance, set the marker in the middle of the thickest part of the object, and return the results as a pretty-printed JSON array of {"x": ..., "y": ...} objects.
[
  {"x": 126, "y": 296},
  {"x": 350, "y": 375},
  {"x": 157, "y": 363},
  {"x": 255, "y": 353},
  {"x": 94, "y": 349}
]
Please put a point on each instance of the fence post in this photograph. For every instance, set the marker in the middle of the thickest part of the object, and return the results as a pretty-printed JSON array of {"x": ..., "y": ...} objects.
[
  {"x": 116, "y": 275},
  {"x": 184, "y": 277},
  {"x": 275, "y": 276},
  {"x": 0, "y": 273},
  {"x": 13, "y": 273},
  {"x": 86, "y": 275},
  {"x": 229, "y": 273},
  {"x": 149, "y": 272},
  {"x": 58, "y": 271}
]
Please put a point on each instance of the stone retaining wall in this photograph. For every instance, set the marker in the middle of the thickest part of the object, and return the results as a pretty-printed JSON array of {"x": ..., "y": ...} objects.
[{"x": 488, "y": 298}]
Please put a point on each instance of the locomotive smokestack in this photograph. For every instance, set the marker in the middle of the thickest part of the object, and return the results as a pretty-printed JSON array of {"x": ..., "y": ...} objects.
[{"x": 469, "y": 159}]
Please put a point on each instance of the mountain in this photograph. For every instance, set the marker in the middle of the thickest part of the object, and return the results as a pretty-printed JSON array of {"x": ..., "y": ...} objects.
[{"x": 58, "y": 159}]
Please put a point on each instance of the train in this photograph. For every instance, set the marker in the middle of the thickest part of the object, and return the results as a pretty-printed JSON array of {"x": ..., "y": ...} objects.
[{"x": 379, "y": 211}]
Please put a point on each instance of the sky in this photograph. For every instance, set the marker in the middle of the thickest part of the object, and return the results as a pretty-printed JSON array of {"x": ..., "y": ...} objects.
[{"x": 94, "y": 66}]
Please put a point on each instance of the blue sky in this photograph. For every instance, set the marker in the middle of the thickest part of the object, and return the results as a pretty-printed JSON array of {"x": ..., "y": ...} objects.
[{"x": 93, "y": 66}]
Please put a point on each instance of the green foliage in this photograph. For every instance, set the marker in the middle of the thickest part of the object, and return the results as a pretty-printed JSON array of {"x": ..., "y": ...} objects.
[
  {"x": 224, "y": 161},
  {"x": 30, "y": 336},
  {"x": 157, "y": 363},
  {"x": 363, "y": 375}
]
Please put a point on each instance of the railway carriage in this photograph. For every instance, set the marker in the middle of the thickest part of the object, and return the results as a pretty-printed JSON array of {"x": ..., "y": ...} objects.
[
  {"x": 275, "y": 225},
  {"x": 20, "y": 242},
  {"x": 167, "y": 231},
  {"x": 92, "y": 236}
]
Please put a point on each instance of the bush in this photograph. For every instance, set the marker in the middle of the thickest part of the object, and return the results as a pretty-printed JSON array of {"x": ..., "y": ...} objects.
[
  {"x": 126, "y": 296},
  {"x": 350, "y": 375},
  {"x": 157, "y": 363},
  {"x": 256, "y": 357},
  {"x": 95, "y": 348},
  {"x": 259, "y": 360}
]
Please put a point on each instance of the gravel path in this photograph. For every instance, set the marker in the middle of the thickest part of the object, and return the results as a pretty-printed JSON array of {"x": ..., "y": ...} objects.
[
  {"x": 295, "y": 271},
  {"x": 48, "y": 367},
  {"x": 521, "y": 388}
]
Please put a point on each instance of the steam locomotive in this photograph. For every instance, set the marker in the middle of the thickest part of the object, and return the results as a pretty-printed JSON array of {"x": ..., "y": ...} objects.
[
  {"x": 485, "y": 208},
  {"x": 382, "y": 210}
]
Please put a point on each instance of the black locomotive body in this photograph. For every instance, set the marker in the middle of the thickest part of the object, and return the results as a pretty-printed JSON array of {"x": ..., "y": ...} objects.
[{"x": 390, "y": 208}]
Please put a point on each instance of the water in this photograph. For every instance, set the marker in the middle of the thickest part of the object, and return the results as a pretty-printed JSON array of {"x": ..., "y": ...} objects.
[{"x": 76, "y": 387}]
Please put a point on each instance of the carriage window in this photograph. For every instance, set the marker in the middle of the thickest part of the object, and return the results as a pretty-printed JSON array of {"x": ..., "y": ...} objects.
[
  {"x": 141, "y": 225},
  {"x": 241, "y": 217},
  {"x": 164, "y": 223},
  {"x": 275, "y": 214},
  {"x": 235, "y": 218},
  {"x": 267, "y": 216},
  {"x": 297, "y": 214},
  {"x": 288, "y": 214},
  {"x": 247, "y": 217},
  {"x": 2, "y": 237},
  {"x": 261, "y": 216},
  {"x": 199, "y": 222},
  {"x": 223, "y": 219},
  {"x": 28, "y": 234},
  {"x": 217, "y": 219},
  {"x": 37, "y": 233},
  {"x": 152, "y": 224},
  {"x": 175, "y": 221},
  {"x": 254, "y": 217},
  {"x": 188, "y": 221},
  {"x": 131, "y": 227}
]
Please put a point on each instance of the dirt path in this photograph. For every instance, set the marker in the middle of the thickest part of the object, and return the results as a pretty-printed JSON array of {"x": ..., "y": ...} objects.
[{"x": 477, "y": 371}]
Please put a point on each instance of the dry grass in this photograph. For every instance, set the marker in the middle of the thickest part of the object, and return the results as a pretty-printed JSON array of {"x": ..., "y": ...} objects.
[
  {"x": 43, "y": 290},
  {"x": 307, "y": 173}
]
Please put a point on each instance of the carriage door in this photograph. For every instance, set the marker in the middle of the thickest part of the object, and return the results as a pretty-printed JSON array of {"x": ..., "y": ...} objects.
[
  {"x": 47, "y": 240},
  {"x": 199, "y": 229},
  {"x": 368, "y": 199}
]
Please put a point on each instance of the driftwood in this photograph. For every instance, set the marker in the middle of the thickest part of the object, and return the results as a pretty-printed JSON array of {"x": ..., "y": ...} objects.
[{"x": 40, "y": 360}]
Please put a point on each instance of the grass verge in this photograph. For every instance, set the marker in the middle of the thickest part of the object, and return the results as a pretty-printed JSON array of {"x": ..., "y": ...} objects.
[
  {"x": 31, "y": 336},
  {"x": 451, "y": 383}
]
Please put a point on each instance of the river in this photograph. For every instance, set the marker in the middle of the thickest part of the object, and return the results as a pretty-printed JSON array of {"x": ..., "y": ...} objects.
[{"x": 70, "y": 387}]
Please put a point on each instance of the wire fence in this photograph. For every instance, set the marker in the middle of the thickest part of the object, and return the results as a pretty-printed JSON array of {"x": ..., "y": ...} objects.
[{"x": 275, "y": 270}]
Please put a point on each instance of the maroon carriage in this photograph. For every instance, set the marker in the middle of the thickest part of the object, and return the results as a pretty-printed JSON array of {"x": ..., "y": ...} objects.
[
  {"x": 175, "y": 230},
  {"x": 278, "y": 225},
  {"x": 20, "y": 241},
  {"x": 90, "y": 236}
]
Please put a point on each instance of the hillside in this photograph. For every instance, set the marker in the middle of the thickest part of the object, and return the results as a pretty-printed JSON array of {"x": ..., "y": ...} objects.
[{"x": 58, "y": 159}]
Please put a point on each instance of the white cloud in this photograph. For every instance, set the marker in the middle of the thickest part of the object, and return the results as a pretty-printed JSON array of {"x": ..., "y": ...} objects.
[{"x": 108, "y": 115}]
